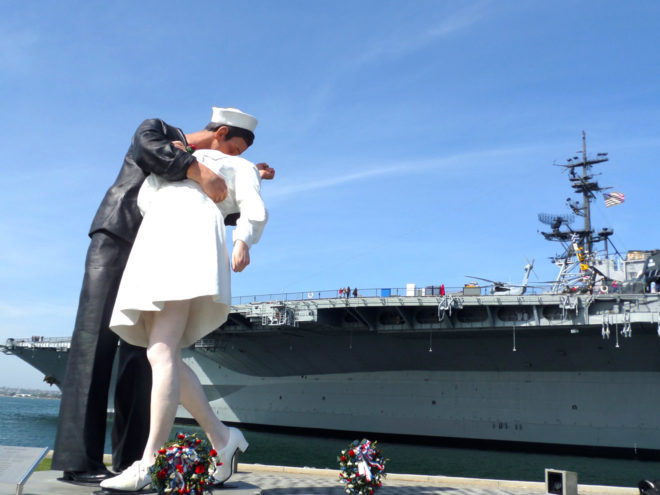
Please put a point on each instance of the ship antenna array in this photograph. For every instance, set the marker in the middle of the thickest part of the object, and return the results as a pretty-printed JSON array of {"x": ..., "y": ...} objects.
[
  {"x": 582, "y": 182},
  {"x": 586, "y": 185},
  {"x": 577, "y": 242}
]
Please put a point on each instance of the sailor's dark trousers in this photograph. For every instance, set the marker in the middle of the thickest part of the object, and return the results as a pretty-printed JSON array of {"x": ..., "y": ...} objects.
[{"x": 82, "y": 421}]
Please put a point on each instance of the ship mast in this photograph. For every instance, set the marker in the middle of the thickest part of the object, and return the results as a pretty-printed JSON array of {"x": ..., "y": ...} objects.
[
  {"x": 579, "y": 244},
  {"x": 587, "y": 186},
  {"x": 586, "y": 198}
]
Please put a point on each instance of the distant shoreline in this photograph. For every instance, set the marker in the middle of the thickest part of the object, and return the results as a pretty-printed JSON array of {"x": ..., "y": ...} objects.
[
  {"x": 49, "y": 397},
  {"x": 30, "y": 393}
]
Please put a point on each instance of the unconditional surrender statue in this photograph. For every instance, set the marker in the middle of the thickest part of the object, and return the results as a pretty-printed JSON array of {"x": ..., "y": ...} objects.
[
  {"x": 176, "y": 288},
  {"x": 157, "y": 149}
]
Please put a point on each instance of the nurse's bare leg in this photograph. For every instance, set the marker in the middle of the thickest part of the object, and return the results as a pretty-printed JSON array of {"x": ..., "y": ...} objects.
[
  {"x": 164, "y": 333},
  {"x": 194, "y": 400}
]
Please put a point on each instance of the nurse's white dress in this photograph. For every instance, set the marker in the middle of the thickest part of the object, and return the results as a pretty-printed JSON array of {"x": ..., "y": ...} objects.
[{"x": 180, "y": 251}]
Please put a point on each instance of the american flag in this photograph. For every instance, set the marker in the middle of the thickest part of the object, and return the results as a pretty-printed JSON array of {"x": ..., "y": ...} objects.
[{"x": 614, "y": 198}]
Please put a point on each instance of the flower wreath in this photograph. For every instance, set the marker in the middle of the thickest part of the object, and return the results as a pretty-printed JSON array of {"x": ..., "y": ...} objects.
[
  {"x": 183, "y": 466},
  {"x": 362, "y": 467}
]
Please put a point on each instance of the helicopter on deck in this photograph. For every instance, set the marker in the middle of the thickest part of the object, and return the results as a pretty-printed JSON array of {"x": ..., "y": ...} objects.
[{"x": 505, "y": 289}]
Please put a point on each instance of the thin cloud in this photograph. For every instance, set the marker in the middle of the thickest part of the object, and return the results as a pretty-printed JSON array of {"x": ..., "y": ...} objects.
[
  {"x": 324, "y": 183},
  {"x": 397, "y": 46},
  {"x": 458, "y": 21},
  {"x": 394, "y": 46},
  {"x": 469, "y": 160}
]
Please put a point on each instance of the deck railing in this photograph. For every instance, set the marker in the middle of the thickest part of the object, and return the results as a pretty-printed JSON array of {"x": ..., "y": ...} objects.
[
  {"x": 36, "y": 342},
  {"x": 379, "y": 292}
]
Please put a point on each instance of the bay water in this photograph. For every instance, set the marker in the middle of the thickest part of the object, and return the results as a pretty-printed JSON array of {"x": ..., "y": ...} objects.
[{"x": 31, "y": 422}]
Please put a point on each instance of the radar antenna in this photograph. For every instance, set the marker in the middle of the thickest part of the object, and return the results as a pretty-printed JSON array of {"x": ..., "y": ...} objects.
[
  {"x": 577, "y": 263},
  {"x": 555, "y": 221}
]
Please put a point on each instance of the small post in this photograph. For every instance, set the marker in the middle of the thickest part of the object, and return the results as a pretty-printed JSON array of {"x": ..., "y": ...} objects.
[{"x": 558, "y": 482}]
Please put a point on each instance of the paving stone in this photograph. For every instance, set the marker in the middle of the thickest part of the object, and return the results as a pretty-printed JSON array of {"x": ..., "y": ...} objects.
[{"x": 254, "y": 479}]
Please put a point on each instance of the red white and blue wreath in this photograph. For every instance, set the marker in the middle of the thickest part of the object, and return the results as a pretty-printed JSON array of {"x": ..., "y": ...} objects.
[
  {"x": 361, "y": 467},
  {"x": 184, "y": 466}
]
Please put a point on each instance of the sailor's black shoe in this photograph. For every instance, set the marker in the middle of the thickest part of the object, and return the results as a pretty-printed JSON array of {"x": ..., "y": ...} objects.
[{"x": 86, "y": 477}]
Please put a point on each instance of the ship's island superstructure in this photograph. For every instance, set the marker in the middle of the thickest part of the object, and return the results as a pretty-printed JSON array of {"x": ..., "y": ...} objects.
[{"x": 571, "y": 363}]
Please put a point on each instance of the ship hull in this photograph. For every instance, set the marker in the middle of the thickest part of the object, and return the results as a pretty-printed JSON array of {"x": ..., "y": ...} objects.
[
  {"x": 590, "y": 409},
  {"x": 586, "y": 377},
  {"x": 555, "y": 389},
  {"x": 554, "y": 409}
]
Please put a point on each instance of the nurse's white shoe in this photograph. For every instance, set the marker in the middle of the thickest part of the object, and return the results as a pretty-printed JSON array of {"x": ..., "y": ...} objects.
[
  {"x": 132, "y": 479},
  {"x": 226, "y": 456}
]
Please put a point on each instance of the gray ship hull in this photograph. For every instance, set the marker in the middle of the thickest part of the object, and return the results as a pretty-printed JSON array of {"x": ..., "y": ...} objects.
[
  {"x": 537, "y": 381},
  {"x": 585, "y": 409},
  {"x": 552, "y": 375}
]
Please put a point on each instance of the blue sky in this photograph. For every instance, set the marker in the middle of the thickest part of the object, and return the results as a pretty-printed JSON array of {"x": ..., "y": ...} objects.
[{"x": 413, "y": 141}]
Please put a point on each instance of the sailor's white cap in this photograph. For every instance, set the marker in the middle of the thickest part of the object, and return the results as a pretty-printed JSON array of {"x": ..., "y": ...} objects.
[{"x": 233, "y": 117}]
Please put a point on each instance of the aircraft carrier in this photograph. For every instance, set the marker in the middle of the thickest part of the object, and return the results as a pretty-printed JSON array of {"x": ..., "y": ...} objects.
[{"x": 572, "y": 362}]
